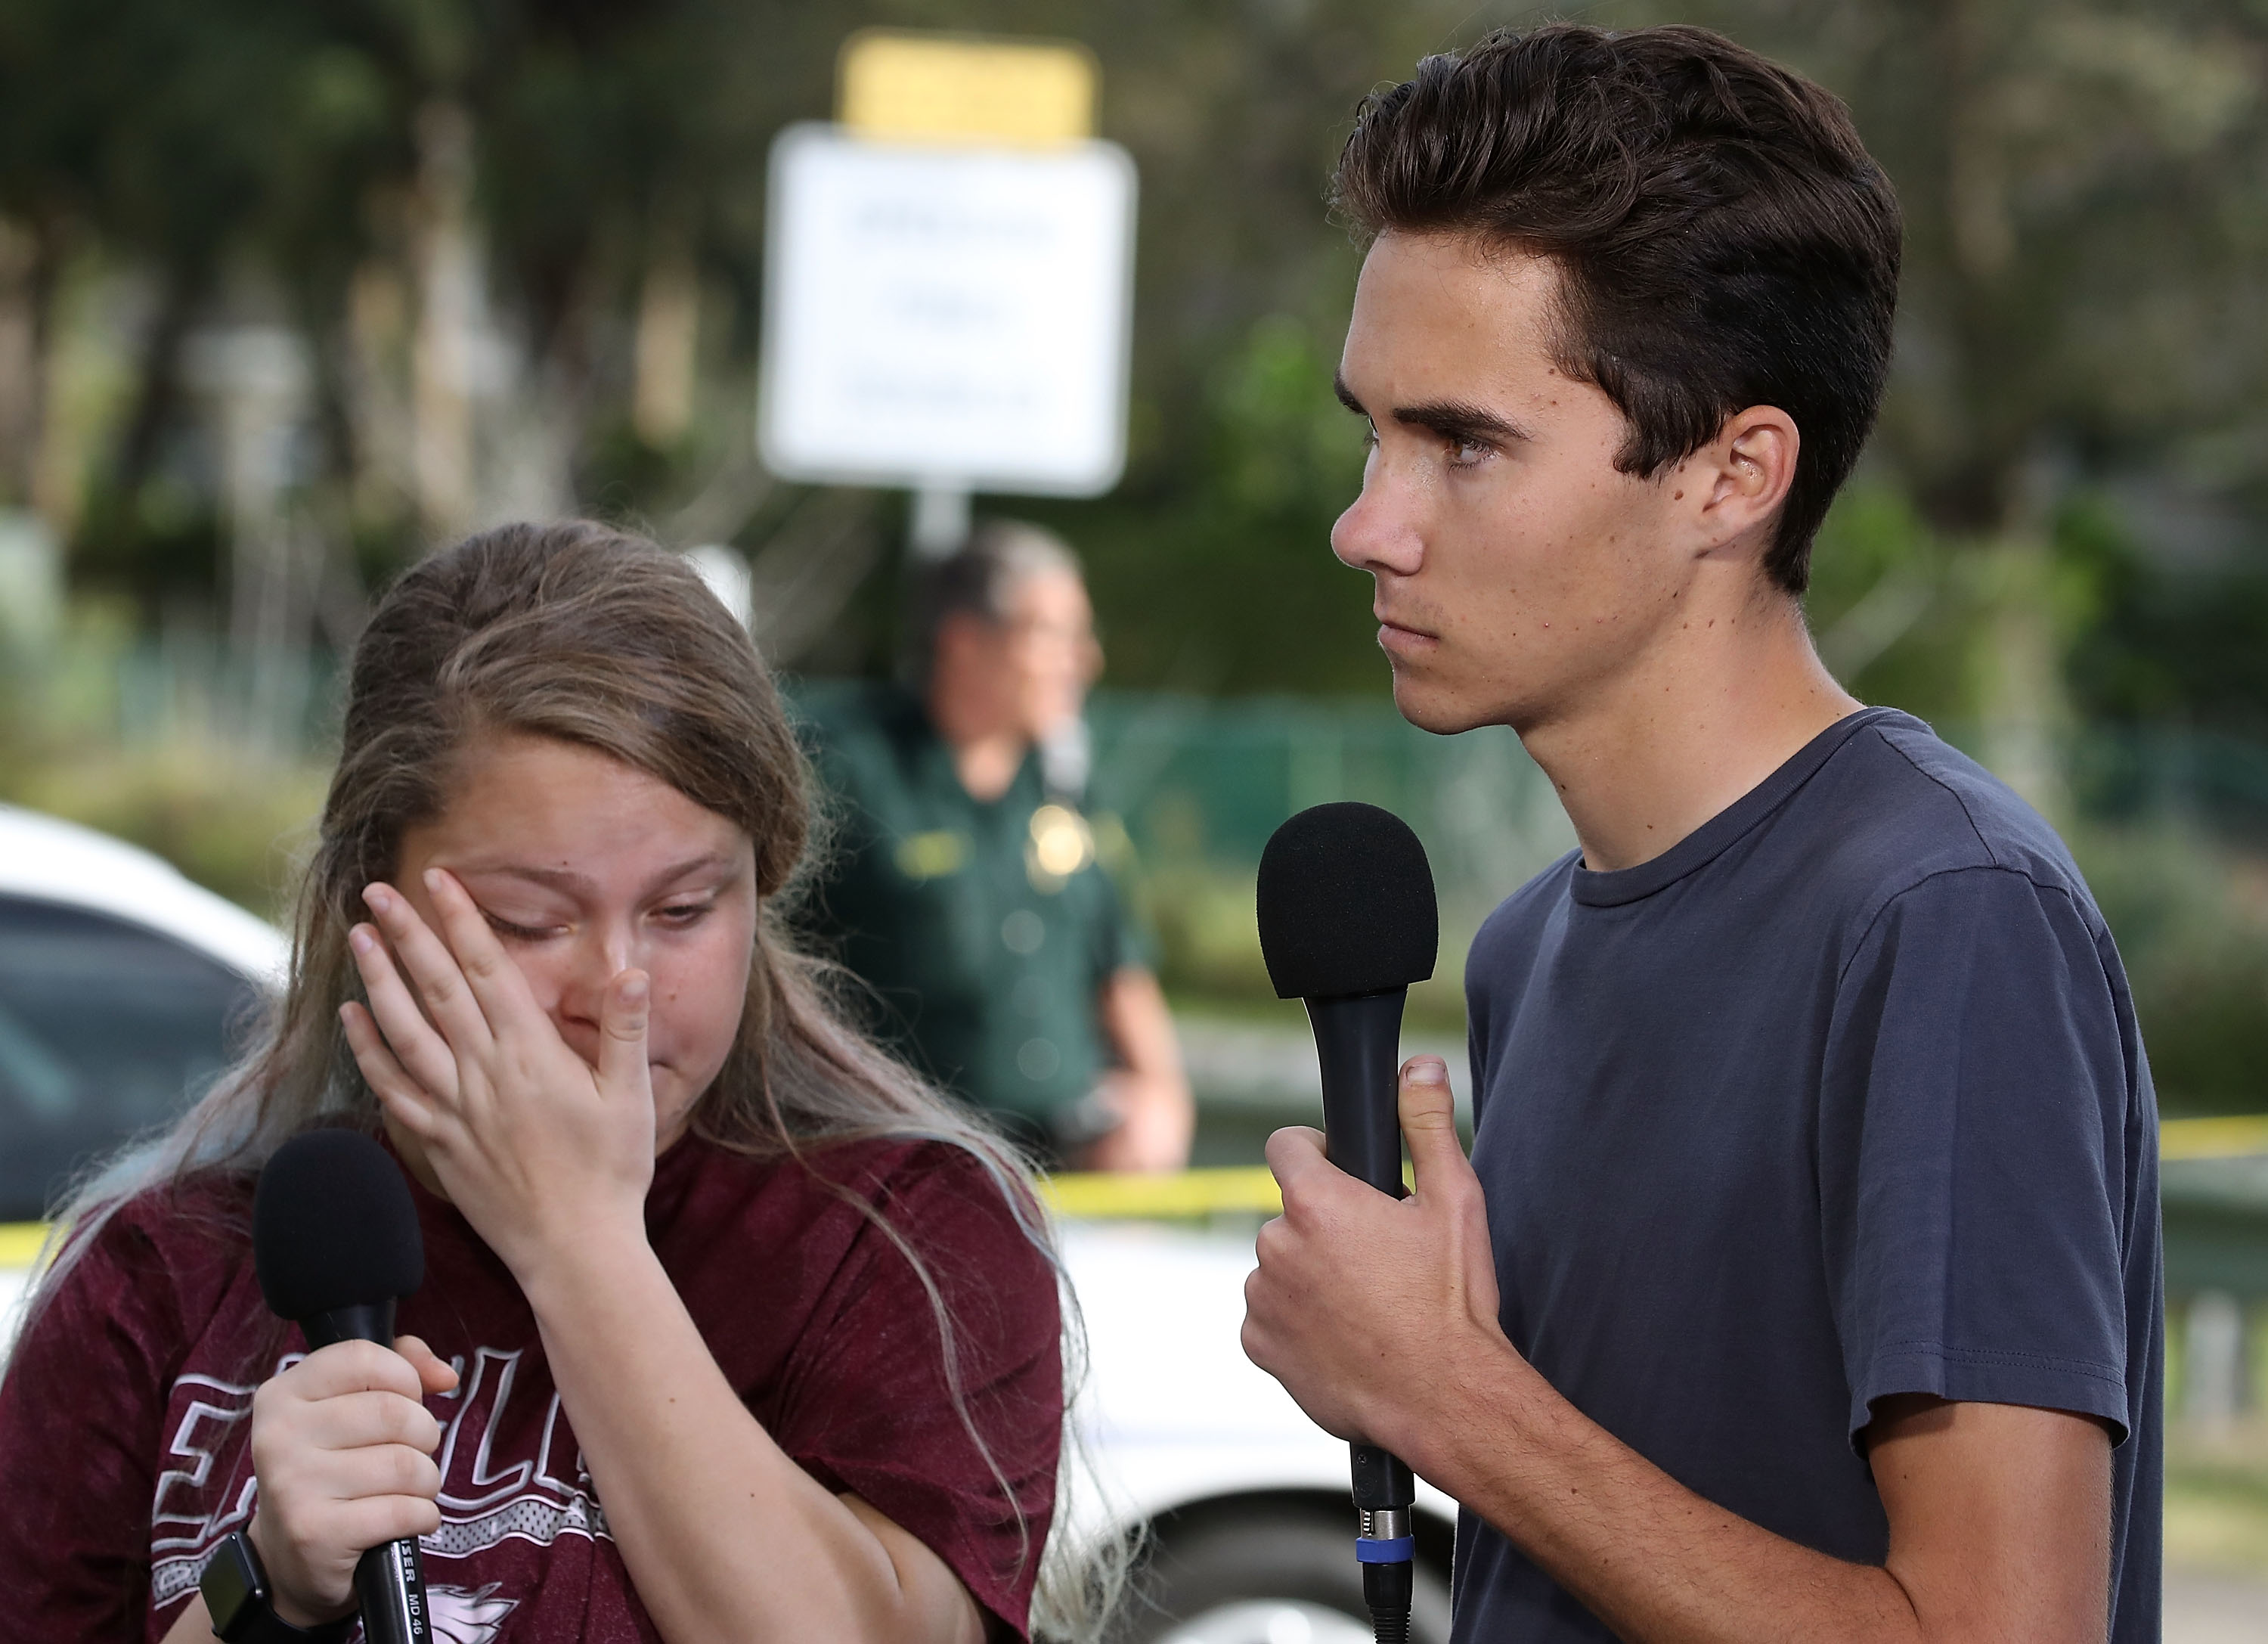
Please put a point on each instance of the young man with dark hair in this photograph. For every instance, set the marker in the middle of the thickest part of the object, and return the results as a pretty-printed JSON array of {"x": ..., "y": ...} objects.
[{"x": 1804, "y": 1283}]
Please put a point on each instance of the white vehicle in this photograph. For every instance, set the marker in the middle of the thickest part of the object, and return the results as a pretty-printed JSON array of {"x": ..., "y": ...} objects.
[{"x": 121, "y": 983}]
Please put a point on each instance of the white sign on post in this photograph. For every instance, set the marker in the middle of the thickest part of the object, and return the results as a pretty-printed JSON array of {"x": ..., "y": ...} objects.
[{"x": 946, "y": 317}]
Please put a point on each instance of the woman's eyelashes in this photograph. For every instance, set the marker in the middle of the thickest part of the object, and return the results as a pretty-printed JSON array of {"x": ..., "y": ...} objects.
[
  {"x": 513, "y": 931},
  {"x": 676, "y": 916}
]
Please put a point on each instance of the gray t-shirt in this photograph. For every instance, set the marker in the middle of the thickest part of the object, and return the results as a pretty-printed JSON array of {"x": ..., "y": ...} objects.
[{"x": 1840, "y": 1097}]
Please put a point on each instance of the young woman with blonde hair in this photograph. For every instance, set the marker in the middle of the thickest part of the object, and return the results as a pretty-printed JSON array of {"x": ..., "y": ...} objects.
[{"x": 731, "y": 1328}]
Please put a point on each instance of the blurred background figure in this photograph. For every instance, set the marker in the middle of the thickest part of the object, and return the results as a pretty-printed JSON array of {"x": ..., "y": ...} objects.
[{"x": 963, "y": 888}]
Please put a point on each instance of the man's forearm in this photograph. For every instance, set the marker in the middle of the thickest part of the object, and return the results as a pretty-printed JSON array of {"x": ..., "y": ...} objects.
[
  {"x": 1152, "y": 1092},
  {"x": 1656, "y": 1562},
  {"x": 1381, "y": 1317}
]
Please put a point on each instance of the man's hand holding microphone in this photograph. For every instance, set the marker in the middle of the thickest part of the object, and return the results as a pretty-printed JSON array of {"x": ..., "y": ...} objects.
[{"x": 1363, "y": 1304}]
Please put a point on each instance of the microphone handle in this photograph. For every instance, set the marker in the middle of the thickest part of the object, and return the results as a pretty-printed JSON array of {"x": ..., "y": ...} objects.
[
  {"x": 389, "y": 1580},
  {"x": 1359, "y": 1044}
]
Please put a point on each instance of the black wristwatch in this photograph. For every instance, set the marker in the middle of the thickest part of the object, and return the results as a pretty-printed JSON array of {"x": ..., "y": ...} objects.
[{"x": 237, "y": 1596}]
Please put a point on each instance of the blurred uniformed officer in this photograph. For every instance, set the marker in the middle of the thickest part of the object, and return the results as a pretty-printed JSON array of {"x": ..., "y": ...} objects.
[{"x": 963, "y": 886}]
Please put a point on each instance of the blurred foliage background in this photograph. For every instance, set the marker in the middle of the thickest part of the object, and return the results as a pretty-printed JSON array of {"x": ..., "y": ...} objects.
[{"x": 289, "y": 293}]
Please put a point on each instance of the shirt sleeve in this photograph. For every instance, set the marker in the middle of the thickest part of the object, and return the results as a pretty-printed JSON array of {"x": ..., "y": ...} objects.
[
  {"x": 1971, "y": 1137},
  {"x": 870, "y": 1409},
  {"x": 1113, "y": 942},
  {"x": 80, "y": 1410}
]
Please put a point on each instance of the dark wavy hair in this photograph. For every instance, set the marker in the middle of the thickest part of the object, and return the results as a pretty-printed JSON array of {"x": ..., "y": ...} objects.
[{"x": 1723, "y": 238}]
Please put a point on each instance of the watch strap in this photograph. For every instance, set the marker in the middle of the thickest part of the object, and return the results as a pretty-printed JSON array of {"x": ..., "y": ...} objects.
[{"x": 237, "y": 1596}]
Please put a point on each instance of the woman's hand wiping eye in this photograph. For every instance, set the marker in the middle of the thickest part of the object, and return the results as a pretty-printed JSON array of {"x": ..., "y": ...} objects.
[{"x": 539, "y": 1146}]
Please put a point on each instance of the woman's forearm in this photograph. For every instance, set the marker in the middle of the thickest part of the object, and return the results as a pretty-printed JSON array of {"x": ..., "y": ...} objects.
[
  {"x": 725, "y": 1537},
  {"x": 193, "y": 1625}
]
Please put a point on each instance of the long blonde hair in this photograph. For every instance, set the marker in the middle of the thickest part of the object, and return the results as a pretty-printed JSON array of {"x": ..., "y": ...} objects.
[{"x": 582, "y": 633}]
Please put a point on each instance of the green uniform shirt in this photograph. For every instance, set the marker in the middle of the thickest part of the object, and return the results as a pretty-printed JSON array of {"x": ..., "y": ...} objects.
[{"x": 986, "y": 928}]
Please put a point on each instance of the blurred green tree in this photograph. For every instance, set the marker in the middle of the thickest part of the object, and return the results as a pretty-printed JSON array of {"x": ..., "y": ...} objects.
[
  {"x": 410, "y": 180},
  {"x": 2085, "y": 254}
]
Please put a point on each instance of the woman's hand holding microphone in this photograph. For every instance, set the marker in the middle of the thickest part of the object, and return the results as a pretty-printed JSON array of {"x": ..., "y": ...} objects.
[{"x": 343, "y": 1446}]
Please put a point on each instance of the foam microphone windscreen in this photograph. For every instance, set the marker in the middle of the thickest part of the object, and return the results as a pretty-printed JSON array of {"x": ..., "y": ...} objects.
[
  {"x": 333, "y": 1226},
  {"x": 1346, "y": 904}
]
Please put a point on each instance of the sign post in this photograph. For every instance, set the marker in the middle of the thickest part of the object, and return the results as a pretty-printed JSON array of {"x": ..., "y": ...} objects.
[{"x": 948, "y": 304}]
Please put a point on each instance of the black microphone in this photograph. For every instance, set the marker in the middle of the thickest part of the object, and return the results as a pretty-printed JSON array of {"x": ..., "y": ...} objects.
[
  {"x": 335, "y": 1244},
  {"x": 1347, "y": 922}
]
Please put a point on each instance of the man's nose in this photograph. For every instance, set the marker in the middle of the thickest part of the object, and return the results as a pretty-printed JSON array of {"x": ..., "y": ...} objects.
[{"x": 1379, "y": 530}]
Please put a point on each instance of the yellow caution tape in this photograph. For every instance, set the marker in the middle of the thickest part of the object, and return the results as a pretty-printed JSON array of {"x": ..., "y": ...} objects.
[
  {"x": 20, "y": 1242},
  {"x": 1100, "y": 1197},
  {"x": 1252, "y": 1191},
  {"x": 2232, "y": 1137}
]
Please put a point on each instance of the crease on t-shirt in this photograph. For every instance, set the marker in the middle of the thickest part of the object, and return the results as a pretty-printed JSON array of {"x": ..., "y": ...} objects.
[
  {"x": 1954, "y": 793},
  {"x": 1982, "y": 1357},
  {"x": 2114, "y": 982},
  {"x": 1867, "y": 931},
  {"x": 1951, "y": 1153},
  {"x": 1942, "y": 1290}
]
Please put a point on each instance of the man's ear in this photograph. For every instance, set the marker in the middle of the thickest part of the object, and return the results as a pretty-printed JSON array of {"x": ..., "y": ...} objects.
[{"x": 1740, "y": 479}]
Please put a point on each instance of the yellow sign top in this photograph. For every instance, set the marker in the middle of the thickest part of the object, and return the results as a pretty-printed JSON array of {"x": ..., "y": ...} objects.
[{"x": 959, "y": 88}]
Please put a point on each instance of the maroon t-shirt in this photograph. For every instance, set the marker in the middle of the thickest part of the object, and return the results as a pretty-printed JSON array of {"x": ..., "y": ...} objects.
[{"x": 123, "y": 1416}]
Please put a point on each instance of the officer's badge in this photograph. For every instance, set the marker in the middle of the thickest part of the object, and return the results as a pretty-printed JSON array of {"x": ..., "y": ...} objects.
[{"x": 1060, "y": 845}]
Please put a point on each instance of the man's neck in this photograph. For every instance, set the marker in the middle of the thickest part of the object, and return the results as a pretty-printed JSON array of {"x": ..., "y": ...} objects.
[
  {"x": 987, "y": 765},
  {"x": 1706, "y": 718},
  {"x": 987, "y": 754}
]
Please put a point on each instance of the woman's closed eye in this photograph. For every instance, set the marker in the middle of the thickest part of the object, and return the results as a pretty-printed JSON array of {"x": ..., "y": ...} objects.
[
  {"x": 681, "y": 915},
  {"x": 514, "y": 930}
]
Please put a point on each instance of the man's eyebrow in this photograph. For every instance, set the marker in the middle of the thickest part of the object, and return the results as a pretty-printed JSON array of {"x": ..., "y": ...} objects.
[
  {"x": 1451, "y": 419},
  {"x": 1460, "y": 419}
]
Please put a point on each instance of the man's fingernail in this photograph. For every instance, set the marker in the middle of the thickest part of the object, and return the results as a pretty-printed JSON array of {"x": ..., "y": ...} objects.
[
  {"x": 634, "y": 991},
  {"x": 1428, "y": 1070}
]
